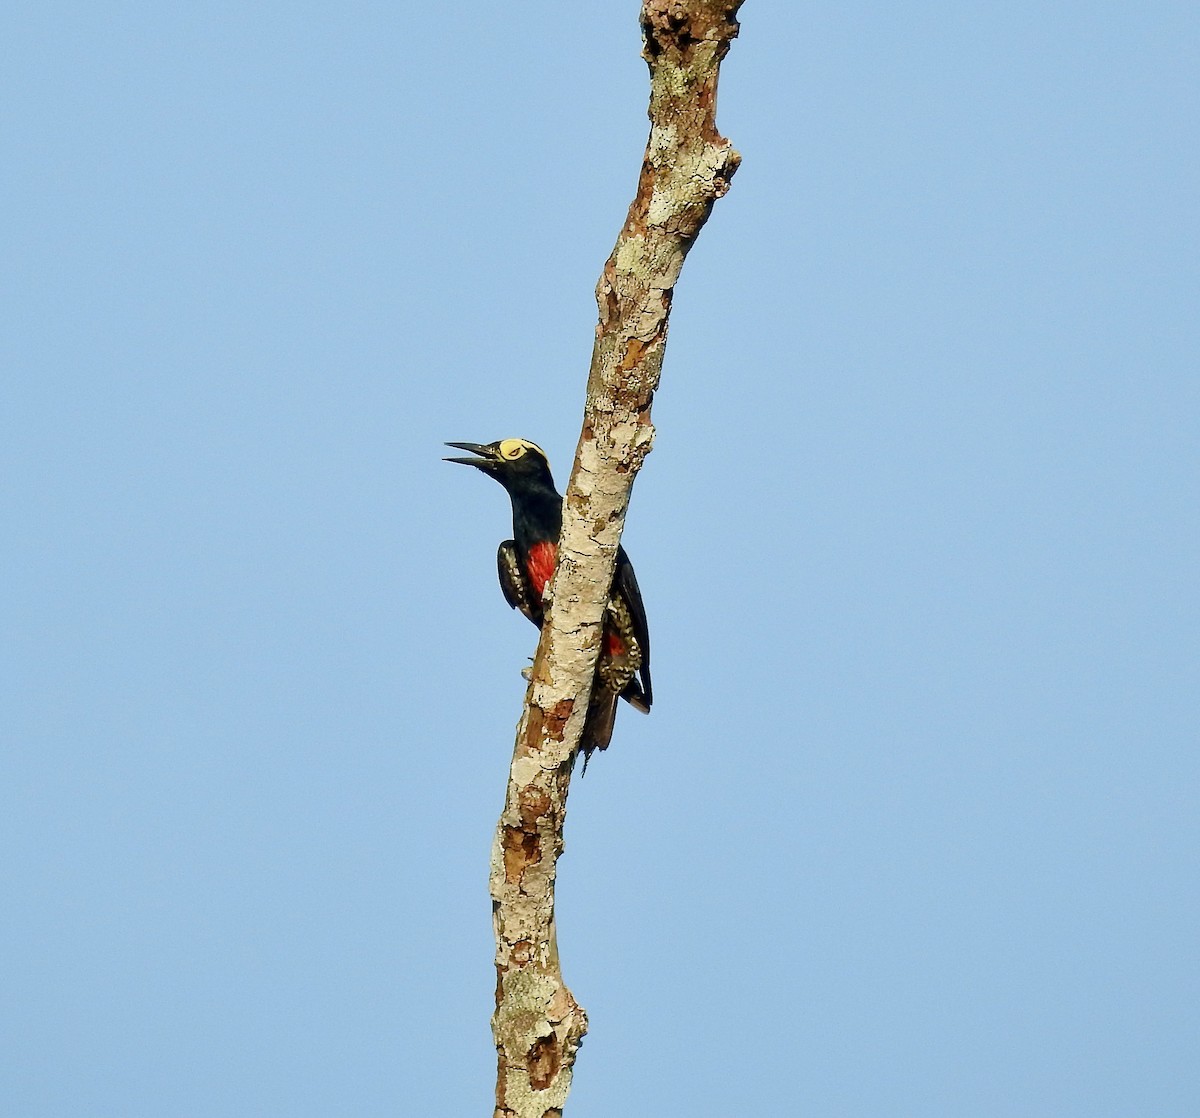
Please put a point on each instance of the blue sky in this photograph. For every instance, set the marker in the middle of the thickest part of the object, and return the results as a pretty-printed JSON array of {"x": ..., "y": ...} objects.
[{"x": 912, "y": 828}]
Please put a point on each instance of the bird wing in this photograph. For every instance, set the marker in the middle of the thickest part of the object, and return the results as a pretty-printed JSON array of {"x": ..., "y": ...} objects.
[
  {"x": 625, "y": 583},
  {"x": 515, "y": 583}
]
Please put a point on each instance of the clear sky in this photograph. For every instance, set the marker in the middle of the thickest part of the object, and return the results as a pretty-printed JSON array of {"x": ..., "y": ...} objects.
[{"x": 912, "y": 828}]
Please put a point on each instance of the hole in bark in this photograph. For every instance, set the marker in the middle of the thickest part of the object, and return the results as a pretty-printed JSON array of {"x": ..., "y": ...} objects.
[
  {"x": 652, "y": 46},
  {"x": 543, "y": 1061},
  {"x": 669, "y": 25}
]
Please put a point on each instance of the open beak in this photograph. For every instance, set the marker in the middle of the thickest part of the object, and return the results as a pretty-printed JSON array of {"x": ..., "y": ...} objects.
[{"x": 487, "y": 459}]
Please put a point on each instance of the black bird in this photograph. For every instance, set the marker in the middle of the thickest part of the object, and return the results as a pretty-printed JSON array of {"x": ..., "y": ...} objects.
[{"x": 526, "y": 564}]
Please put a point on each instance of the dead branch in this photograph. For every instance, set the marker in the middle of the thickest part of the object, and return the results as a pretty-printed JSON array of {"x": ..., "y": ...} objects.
[{"x": 538, "y": 1025}]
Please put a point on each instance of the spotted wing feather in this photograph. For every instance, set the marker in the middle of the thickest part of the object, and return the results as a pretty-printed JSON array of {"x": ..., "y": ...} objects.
[
  {"x": 625, "y": 585},
  {"x": 515, "y": 584}
]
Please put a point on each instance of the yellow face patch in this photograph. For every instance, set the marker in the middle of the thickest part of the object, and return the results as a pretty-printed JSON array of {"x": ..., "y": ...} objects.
[{"x": 512, "y": 449}]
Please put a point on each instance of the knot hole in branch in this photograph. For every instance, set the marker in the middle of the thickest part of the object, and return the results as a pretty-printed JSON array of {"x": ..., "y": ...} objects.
[{"x": 666, "y": 25}]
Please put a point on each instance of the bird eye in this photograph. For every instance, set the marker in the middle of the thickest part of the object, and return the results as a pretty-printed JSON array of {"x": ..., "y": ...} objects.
[{"x": 512, "y": 449}]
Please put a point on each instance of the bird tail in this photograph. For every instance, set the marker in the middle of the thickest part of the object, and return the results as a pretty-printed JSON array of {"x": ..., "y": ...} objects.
[
  {"x": 636, "y": 697},
  {"x": 598, "y": 726}
]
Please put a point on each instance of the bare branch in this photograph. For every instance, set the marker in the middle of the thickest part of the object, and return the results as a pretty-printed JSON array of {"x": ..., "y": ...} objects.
[{"x": 538, "y": 1025}]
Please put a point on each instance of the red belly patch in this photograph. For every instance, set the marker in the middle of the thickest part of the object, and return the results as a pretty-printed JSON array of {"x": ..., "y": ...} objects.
[
  {"x": 615, "y": 646},
  {"x": 542, "y": 557}
]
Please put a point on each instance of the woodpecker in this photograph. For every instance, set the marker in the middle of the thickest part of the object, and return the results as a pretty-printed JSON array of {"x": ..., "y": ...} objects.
[{"x": 526, "y": 564}]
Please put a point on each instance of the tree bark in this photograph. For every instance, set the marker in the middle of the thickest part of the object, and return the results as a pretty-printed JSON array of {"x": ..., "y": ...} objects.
[{"x": 538, "y": 1025}]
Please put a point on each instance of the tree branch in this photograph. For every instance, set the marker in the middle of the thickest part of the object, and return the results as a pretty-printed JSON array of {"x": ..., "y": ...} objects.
[{"x": 538, "y": 1025}]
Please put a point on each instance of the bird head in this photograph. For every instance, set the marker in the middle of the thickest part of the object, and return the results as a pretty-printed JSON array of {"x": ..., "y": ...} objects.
[{"x": 512, "y": 462}]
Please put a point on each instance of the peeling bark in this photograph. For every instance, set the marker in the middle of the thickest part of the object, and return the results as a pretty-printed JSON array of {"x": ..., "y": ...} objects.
[{"x": 538, "y": 1025}]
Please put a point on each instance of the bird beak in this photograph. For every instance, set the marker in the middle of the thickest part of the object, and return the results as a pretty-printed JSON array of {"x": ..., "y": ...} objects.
[{"x": 487, "y": 459}]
